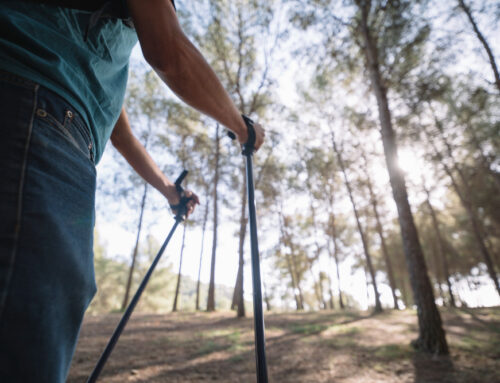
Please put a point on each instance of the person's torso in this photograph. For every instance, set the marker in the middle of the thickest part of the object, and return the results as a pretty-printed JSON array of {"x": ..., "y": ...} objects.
[{"x": 48, "y": 45}]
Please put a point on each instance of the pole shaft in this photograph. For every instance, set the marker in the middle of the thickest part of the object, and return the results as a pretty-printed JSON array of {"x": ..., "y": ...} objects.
[
  {"x": 128, "y": 312},
  {"x": 260, "y": 352}
]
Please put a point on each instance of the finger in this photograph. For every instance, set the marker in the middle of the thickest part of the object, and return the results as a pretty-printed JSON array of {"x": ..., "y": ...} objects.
[{"x": 196, "y": 199}]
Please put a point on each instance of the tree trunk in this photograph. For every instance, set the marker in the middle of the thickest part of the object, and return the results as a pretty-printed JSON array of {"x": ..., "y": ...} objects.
[
  {"x": 335, "y": 255},
  {"x": 315, "y": 284},
  {"x": 322, "y": 293},
  {"x": 483, "y": 41},
  {"x": 136, "y": 248},
  {"x": 211, "y": 287},
  {"x": 431, "y": 334},
  {"x": 385, "y": 252},
  {"x": 441, "y": 247},
  {"x": 266, "y": 296},
  {"x": 298, "y": 299},
  {"x": 466, "y": 201},
  {"x": 204, "y": 226},
  {"x": 404, "y": 292},
  {"x": 341, "y": 300},
  {"x": 318, "y": 288},
  {"x": 297, "y": 279},
  {"x": 378, "y": 306},
  {"x": 331, "y": 302},
  {"x": 438, "y": 273},
  {"x": 179, "y": 275},
  {"x": 238, "y": 300}
]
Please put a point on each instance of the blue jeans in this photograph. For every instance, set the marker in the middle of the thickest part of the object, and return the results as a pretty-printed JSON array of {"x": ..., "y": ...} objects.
[{"x": 47, "y": 190}]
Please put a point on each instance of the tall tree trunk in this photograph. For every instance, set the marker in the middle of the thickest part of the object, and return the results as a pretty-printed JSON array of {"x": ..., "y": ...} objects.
[
  {"x": 318, "y": 288},
  {"x": 298, "y": 298},
  {"x": 404, "y": 292},
  {"x": 367, "y": 282},
  {"x": 331, "y": 302},
  {"x": 385, "y": 252},
  {"x": 211, "y": 287},
  {"x": 238, "y": 299},
  {"x": 341, "y": 300},
  {"x": 441, "y": 246},
  {"x": 378, "y": 306},
  {"x": 136, "y": 248},
  {"x": 322, "y": 293},
  {"x": 266, "y": 296},
  {"x": 179, "y": 275},
  {"x": 204, "y": 226},
  {"x": 297, "y": 278},
  {"x": 483, "y": 41},
  {"x": 438, "y": 273},
  {"x": 315, "y": 284},
  {"x": 431, "y": 334},
  {"x": 466, "y": 201},
  {"x": 335, "y": 251},
  {"x": 299, "y": 302}
]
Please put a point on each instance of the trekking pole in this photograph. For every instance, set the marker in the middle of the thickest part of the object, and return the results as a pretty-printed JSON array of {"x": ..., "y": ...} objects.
[
  {"x": 181, "y": 209},
  {"x": 260, "y": 341}
]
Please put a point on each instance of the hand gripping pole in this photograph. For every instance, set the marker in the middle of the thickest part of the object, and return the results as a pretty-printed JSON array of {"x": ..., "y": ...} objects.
[{"x": 181, "y": 209}]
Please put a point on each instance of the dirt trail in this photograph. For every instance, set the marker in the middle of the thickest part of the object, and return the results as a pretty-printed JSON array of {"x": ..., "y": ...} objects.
[{"x": 330, "y": 346}]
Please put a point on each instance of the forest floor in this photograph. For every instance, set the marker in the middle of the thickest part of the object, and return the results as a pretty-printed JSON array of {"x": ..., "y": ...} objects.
[{"x": 329, "y": 346}]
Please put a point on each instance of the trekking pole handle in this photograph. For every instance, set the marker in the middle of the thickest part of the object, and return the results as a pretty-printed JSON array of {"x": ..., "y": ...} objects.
[
  {"x": 249, "y": 146},
  {"x": 181, "y": 207},
  {"x": 179, "y": 180}
]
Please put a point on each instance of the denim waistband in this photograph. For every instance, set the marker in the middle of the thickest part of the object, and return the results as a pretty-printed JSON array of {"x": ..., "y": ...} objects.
[{"x": 51, "y": 102}]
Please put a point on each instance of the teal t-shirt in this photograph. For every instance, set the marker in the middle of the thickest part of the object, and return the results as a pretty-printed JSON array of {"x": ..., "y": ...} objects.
[{"x": 47, "y": 45}]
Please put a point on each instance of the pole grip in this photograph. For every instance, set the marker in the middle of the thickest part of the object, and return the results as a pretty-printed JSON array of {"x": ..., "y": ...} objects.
[
  {"x": 249, "y": 146},
  {"x": 179, "y": 180}
]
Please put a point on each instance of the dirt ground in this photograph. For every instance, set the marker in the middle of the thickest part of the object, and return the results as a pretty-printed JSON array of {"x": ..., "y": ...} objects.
[{"x": 330, "y": 346}]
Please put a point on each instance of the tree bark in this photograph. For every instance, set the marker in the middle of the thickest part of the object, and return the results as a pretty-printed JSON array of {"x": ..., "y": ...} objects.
[
  {"x": 431, "y": 334},
  {"x": 483, "y": 41},
  {"x": 198, "y": 283},
  {"x": 179, "y": 275},
  {"x": 378, "y": 305},
  {"x": 385, "y": 252},
  {"x": 441, "y": 247},
  {"x": 136, "y": 248},
  {"x": 211, "y": 287}
]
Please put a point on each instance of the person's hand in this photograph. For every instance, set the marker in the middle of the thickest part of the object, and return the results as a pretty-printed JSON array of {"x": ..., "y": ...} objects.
[
  {"x": 260, "y": 134},
  {"x": 191, "y": 204}
]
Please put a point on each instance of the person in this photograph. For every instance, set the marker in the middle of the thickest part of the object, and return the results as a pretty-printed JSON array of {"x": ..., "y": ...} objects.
[{"x": 63, "y": 74}]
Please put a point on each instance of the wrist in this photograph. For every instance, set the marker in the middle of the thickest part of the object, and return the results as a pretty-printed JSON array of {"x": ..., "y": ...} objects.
[
  {"x": 240, "y": 129},
  {"x": 169, "y": 191}
]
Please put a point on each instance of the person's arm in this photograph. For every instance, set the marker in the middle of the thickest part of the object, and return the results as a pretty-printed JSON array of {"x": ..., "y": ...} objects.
[
  {"x": 136, "y": 155},
  {"x": 182, "y": 67}
]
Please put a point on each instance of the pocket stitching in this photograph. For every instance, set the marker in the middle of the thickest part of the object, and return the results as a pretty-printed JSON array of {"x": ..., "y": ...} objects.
[{"x": 50, "y": 119}]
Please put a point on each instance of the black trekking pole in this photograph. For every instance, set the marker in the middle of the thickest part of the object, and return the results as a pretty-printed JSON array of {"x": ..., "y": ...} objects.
[
  {"x": 260, "y": 341},
  {"x": 181, "y": 210}
]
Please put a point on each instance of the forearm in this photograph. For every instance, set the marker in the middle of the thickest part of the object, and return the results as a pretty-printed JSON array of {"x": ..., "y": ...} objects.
[
  {"x": 180, "y": 65},
  {"x": 136, "y": 155}
]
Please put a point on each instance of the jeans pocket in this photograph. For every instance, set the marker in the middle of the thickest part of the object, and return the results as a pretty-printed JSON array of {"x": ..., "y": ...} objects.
[{"x": 72, "y": 130}]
